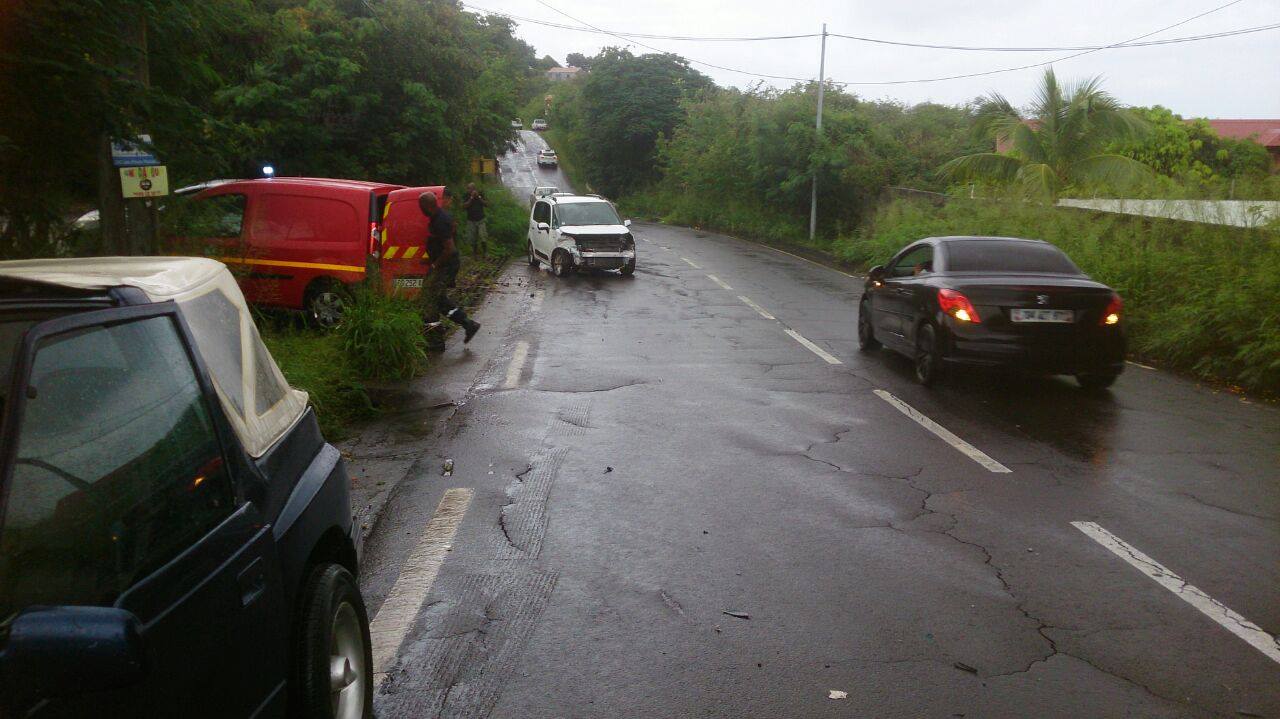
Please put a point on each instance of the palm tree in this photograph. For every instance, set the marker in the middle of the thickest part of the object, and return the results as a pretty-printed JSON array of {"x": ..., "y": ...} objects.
[{"x": 1061, "y": 144}]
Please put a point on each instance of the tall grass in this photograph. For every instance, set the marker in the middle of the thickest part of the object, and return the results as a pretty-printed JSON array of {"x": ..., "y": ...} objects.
[
  {"x": 1201, "y": 298},
  {"x": 382, "y": 335}
]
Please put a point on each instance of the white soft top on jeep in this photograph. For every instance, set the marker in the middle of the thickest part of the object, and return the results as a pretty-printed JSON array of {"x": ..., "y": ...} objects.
[{"x": 259, "y": 403}]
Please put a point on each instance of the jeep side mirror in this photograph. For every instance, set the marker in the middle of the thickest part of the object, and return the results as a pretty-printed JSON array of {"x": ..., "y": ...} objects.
[
  {"x": 64, "y": 651},
  {"x": 543, "y": 227},
  {"x": 626, "y": 223}
]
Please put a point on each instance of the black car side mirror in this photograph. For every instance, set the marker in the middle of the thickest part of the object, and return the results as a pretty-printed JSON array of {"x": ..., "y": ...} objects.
[
  {"x": 64, "y": 651},
  {"x": 876, "y": 274}
]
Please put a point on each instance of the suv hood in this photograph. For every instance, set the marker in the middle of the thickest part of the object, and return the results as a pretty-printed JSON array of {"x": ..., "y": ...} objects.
[{"x": 594, "y": 229}]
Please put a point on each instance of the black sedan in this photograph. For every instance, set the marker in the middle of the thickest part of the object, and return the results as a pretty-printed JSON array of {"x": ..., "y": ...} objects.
[{"x": 993, "y": 301}]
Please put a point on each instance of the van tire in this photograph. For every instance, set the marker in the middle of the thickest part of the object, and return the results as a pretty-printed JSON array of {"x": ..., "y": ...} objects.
[
  {"x": 325, "y": 301},
  {"x": 333, "y": 625}
]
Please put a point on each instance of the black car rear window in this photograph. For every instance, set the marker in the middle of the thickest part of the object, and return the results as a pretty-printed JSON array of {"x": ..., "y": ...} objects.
[{"x": 1007, "y": 256}]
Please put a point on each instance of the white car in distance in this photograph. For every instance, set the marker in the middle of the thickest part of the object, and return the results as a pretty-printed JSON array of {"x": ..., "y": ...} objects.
[
  {"x": 547, "y": 158},
  {"x": 571, "y": 232}
]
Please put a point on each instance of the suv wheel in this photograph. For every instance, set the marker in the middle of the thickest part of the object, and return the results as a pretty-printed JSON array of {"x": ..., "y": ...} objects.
[
  {"x": 325, "y": 303},
  {"x": 867, "y": 341},
  {"x": 561, "y": 263},
  {"x": 333, "y": 657}
]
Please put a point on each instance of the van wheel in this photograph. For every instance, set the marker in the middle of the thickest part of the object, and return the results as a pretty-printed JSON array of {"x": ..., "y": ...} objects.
[
  {"x": 325, "y": 303},
  {"x": 561, "y": 263},
  {"x": 533, "y": 258},
  {"x": 333, "y": 656}
]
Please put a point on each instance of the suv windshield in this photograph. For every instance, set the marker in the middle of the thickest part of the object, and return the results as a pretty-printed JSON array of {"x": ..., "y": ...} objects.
[
  {"x": 587, "y": 213},
  {"x": 1007, "y": 256}
]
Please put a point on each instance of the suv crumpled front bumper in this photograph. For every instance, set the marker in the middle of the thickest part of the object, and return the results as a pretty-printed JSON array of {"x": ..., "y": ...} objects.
[{"x": 602, "y": 260}]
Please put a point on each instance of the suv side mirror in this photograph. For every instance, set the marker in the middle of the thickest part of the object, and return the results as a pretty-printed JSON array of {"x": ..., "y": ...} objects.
[
  {"x": 543, "y": 227},
  {"x": 626, "y": 223},
  {"x": 63, "y": 651}
]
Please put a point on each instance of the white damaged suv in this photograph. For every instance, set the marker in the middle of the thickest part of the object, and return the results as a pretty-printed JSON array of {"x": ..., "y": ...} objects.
[{"x": 569, "y": 232}]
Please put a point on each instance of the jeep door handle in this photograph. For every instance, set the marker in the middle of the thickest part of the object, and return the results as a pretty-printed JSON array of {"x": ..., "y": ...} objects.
[{"x": 252, "y": 581}]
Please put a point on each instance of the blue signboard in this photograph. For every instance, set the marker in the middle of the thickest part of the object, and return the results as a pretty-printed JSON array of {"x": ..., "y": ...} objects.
[{"x": 133, "y": 153}]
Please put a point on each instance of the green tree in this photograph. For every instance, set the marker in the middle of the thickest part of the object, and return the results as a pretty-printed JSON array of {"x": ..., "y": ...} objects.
[
  {"x": 577, "y": 59},
  {"x": 1060, "y": 144},
  {"x": 1190, "y": 150}
]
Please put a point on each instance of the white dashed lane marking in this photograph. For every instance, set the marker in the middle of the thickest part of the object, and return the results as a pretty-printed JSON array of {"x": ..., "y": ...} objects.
[
  {"x": 825, "y": 355},
  {"x": 691, "y": 263},
  {"x": 397, "y": 614},
  {"x": 1254, "y": 635},
  {"x": 516, "y": 366},
  {"x": 759, "y": 310},
  {"x": 719, "y": 281},
  {"x": 943, "y": 433}
]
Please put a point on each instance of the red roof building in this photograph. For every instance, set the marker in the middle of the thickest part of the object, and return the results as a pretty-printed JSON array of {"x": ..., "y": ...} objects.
[{"x": 1263, "y": 132}]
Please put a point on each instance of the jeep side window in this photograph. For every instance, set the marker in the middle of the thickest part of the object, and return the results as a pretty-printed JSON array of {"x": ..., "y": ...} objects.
[
  {"x": 117, "y": 466},
  {"x": 542, "y": 212}
]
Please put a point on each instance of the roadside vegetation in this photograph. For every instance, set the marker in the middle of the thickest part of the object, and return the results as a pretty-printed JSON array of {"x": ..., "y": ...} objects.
[{"x": 1200, "y": 298}]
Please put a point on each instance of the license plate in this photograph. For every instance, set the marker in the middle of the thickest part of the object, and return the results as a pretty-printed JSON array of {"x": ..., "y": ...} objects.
[
  {"x": 407, "y": 283},
  {"x": 1033, "y": 315}
]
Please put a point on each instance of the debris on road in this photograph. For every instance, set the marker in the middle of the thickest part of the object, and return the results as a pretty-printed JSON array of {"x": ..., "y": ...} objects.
[
  {"x": 837, "y": 694},
  {"x": 965, "y": 667},
  {"x": 739, "y": 615},
  {"x": 608, "y": 470},
  {"x": 447, "y": 469}
]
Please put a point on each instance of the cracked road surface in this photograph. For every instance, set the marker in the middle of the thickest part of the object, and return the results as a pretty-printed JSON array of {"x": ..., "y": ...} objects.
[{"x": 667, "y": 454}]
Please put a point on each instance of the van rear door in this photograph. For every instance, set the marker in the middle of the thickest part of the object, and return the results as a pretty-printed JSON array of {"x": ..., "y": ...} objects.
[{"x": 402, "y": 255}]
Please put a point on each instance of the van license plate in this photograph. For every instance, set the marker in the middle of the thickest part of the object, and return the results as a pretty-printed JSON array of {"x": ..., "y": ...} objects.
[
  {"x": 1032, "y": 315},
  {"x": 408, "y": 283}
]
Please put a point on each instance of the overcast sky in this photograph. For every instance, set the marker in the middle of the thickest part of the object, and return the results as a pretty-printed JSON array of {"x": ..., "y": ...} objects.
[{"x": 1230, "y": 77}]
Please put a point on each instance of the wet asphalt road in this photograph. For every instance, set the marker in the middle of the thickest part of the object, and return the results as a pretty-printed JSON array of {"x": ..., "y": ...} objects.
[{"x": 635, "y": 457}]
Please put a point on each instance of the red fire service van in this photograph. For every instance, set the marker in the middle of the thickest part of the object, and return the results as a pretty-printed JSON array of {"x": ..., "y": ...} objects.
[{"x": 304, "y": 242}]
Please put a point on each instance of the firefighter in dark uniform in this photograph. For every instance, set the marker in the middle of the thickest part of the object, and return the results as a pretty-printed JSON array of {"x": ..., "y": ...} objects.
[{"x": 443, "y": 264}]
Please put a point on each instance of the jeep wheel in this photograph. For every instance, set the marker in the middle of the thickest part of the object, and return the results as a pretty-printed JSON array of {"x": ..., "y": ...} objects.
[
  {"x": 561, "y": 263},
  {"x": 533, "y": 258},
  {"x": 333, "y": 657}
]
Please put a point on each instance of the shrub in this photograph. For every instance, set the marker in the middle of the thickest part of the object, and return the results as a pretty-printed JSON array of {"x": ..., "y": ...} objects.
[{"x": 382, "y": 335}]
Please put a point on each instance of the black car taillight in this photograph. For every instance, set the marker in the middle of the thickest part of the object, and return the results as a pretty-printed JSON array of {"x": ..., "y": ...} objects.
[
  {"x": 1111, "y": 315},
  {"x": 958, "y": 306}
]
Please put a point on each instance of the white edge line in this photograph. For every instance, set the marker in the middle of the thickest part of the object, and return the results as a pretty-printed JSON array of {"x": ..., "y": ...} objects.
[
  {"x": 516, "y": 366},
  {"x": 1227, "y": 618},
  {"x": 944, "y": 434},
  {"x": 759, "y": 310},
  {"x": 1139, "y": 364},
  {"x": 691, "y": 263},
  {"x": 719, "y": 281},
  {"x": 397, "y": 614},
  {"x": 830, "y": 358}
]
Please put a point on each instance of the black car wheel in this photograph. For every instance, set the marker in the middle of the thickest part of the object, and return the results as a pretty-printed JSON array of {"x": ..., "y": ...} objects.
[
  {"x": 1096, "y": 381},
  {"x": 561, "y": 263},
  {"x": 325, "y": 303},
  {"x": 333, "y": 657},
  {"x": 867, "y": 341},
  {"x": 629, "y": 268},
  {"x": 928, "y": 360}
]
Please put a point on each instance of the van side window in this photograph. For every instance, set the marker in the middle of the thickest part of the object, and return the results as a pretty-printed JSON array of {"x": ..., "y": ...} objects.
[
  {"x": 217, "y": 217},
  {"x": 542, "y": 212},
  {"x": 101, "y": 497}
]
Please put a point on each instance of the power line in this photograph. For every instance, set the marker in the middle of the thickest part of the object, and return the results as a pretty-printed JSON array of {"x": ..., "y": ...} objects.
[
  {"x": 1085, "y": 50},
  {"x": 874, "y": 40},
  {"x": 1046, "y": 62}
]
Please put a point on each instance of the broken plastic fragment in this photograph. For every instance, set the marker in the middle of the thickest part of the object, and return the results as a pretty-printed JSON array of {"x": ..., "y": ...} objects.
[
  {"x": 837, "y": 694},
  {"x": 447, "y": 470},
  {"x": 739, "y": 615},
  {"x": 965, "y": 667}
]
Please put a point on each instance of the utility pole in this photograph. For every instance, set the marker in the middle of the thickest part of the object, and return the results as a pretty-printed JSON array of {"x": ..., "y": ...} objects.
[
  {"x": 822, "y": 81},
  {"x": 128, "y": 227}
]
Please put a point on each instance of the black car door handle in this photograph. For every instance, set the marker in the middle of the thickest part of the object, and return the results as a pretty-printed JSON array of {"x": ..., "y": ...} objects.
[{"x": 252, "y": 581}]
